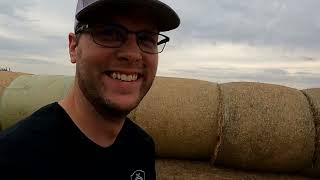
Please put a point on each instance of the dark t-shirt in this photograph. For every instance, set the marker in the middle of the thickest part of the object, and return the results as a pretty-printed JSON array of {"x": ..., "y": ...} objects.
[{"x": 48, "y": 145}]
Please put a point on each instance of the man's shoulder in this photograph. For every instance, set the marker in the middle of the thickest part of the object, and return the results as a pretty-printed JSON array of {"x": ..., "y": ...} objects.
[
  {"x": 32, "y": 126},
  {"x": 28, "y": 140}
]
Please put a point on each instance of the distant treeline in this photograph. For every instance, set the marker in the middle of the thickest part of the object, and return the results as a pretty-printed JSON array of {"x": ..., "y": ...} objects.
[{"x": 5, "y": 69}]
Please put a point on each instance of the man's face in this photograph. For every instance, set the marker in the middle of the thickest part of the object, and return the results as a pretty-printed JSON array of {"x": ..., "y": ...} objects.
[{"x": 107, "y": 76}]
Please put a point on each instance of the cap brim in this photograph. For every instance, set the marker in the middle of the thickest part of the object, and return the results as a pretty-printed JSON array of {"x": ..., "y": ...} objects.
[{"x": 165, "y": 17}]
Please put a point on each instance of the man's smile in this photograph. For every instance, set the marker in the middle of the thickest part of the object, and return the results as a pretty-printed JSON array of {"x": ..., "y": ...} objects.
[{"x": 127, "y": 77}]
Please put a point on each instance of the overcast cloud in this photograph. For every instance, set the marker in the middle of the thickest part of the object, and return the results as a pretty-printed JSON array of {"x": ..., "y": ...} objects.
[{"x": 275, "y": 41}]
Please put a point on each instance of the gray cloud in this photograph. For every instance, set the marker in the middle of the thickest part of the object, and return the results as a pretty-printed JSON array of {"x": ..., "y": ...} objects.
[
  {"x": 309, "y": 59},
  {"x": 7, "y": 44},
  {"x": 275, "y": 76},
  {"x": 45, "y": 46},
  {"x": 24, "y": 33},
  {"x": 30, "y": 61},
  {"x": 287, "y": 23},
  {"x": 291, "y": 25},
  {"x": 14, "y": 7},
  {"x": 36, "y": 66}
]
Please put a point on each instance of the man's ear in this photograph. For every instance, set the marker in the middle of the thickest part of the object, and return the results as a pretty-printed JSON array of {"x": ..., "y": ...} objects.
[{"x": 73, "y": 43}]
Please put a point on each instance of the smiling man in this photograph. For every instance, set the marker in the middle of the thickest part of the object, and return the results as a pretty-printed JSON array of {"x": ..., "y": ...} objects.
[{"x": 87, "y": 135}]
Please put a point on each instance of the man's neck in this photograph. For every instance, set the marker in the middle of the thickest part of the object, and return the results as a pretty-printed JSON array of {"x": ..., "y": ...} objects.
[{"x": 101, "y": 130}]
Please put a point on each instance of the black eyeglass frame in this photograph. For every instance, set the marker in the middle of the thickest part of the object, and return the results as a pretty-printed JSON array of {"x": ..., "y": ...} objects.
[{"x": 87, "y": 28}]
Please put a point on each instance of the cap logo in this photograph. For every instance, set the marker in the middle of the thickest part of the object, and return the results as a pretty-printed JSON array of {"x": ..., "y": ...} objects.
[{"x": 87, "y": 2}]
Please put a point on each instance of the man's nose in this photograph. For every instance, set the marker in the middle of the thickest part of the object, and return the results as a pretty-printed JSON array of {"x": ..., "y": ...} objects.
[{"x": 130, "y": 50}]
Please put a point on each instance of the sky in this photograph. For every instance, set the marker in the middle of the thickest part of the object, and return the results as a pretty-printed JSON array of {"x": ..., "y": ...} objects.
[{"x": 274, "y": 41}]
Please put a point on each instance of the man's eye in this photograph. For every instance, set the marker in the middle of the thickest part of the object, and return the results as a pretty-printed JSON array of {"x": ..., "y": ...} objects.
[
  {"x": 110, "y": 34},
  {"x": 114, "y": 34},
  {"x": 148, "y": 38}
]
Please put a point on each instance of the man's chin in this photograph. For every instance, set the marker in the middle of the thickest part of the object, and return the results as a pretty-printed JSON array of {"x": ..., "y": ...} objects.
[
  {"x": 117, "y": 109},
  {"x": 124, "y": 103},
  {"x": 126, "y": 108}
]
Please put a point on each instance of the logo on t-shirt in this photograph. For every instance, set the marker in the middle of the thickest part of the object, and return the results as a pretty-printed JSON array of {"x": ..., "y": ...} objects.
[{"x": 138, "y": 175}]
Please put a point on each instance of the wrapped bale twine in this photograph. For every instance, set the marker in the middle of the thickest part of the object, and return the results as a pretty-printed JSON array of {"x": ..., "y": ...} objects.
[
  {"x": 313, "y": 96},
  {"x": 200, "y": 170},
  {"x": 27, "y": 93},
  {"x": 181, "y": 115},
  {"x": 265, "y": 127}
]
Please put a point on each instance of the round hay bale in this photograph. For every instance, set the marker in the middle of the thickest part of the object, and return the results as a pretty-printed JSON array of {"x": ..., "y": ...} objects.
[
  {"x": 313, "y": 95},
  {"x": 170, "y": 169},
  {"x": 181, "y": 115},
  {"x": 27, "y": 93},
  {"x": 6, "y": 78},
  {"x": 266, "y": 127}
]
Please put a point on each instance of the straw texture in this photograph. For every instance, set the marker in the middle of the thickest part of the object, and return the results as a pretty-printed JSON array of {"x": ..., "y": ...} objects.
[
  {"x": 6, "y": 78},
  {"x": 200, "y": 170},
  {"x": 181, "y": 115},
  {"x": 313, "y": 95},
  {"x": 266, "y": 127}
]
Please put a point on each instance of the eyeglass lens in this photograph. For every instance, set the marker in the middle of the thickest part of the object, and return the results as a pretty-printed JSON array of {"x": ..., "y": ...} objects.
[{"x": 114, "y": 36}]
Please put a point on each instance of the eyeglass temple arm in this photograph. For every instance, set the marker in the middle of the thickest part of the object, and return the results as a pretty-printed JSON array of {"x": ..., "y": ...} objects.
[{"x": 163, "y": 41}]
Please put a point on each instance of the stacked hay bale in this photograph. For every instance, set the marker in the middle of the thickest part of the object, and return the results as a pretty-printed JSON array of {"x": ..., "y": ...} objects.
[
  {"x": 6, "y": 77},
  {"x": 27, "y": 93},
  {"x": 169, "y": 169},
  {"x": 182, "y": 117},
  {"x": 313, "y": 96},
  {"x": 199, "y": 127},
  {"x": 271, "y": 127}
]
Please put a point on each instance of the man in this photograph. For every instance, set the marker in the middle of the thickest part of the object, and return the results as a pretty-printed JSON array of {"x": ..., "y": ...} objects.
[{"x": 87, "y": 135}]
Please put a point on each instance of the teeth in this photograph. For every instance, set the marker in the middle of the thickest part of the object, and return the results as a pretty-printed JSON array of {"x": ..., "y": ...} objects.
[
  {"x": 129, "y": 78},
  {"x": 124, "y": 77},
  {"x": 114, "y": 75}
]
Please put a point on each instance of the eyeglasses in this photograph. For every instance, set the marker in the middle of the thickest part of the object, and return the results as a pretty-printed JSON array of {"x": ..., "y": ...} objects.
[{"x": 114, "y": 36}]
